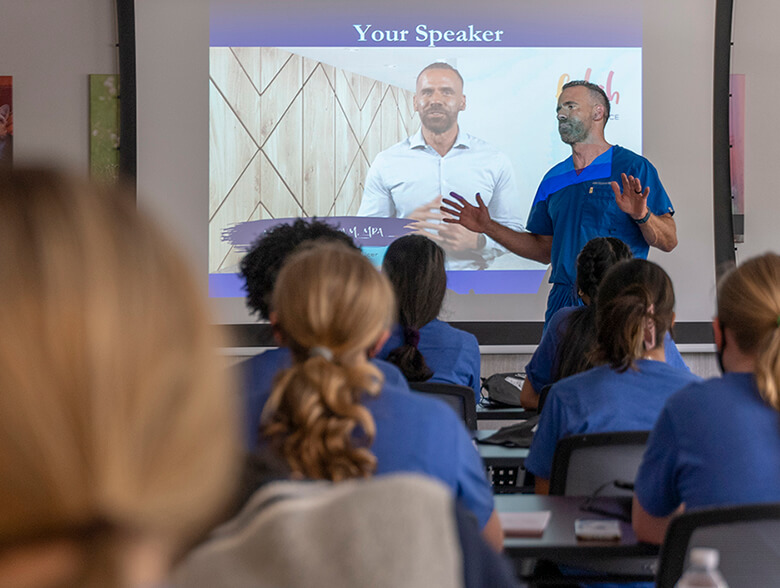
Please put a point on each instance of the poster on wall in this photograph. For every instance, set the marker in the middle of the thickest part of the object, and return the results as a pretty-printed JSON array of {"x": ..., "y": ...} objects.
[
  {"x": 104, "y": 126},
  {"x": 6, "y": 121}
]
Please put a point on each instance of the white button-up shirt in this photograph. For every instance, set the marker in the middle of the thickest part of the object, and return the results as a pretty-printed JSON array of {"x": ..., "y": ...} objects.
[{"x": 412, "y": 173}]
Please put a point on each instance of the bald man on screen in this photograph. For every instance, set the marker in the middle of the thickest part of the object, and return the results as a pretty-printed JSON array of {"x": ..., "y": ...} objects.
[{"x": 408, "y": 179}]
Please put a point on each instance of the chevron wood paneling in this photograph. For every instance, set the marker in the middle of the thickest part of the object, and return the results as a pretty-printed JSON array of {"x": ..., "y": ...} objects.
[{"x": 291, "y": 136}]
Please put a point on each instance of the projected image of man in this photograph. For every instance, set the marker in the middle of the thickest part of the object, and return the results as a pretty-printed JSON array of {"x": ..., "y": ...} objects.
[
  {"x": 601, "y": 190},
  {"x": 408, "y": 179}
]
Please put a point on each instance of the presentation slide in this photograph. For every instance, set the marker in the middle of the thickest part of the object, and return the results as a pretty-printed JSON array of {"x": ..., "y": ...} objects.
[{"x": 316, "y": 110}]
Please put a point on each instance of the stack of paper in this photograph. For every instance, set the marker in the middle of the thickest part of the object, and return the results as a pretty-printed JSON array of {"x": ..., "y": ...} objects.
[{"x": 524, "y": 524}]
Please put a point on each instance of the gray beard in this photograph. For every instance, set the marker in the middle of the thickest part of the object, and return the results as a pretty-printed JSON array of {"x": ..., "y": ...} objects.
[{"x": 572, "y": 131}]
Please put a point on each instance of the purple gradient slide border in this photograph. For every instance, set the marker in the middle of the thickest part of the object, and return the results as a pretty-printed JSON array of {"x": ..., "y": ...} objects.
[
  {"x": 373, "y": 235},
  {"x": 461, "y": 282},
  {"x": 331, "y": 23}
]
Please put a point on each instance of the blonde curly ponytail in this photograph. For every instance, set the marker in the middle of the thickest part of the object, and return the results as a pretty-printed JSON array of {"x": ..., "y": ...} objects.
[{"x": 332, "y": 306}]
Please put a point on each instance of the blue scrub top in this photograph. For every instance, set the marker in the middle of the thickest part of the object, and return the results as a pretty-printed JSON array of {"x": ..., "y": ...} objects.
[
  {"x": 543, "y": 364},
  {"x": 414, "y": 432},
  {"x": 452, "y": 354},
  {"x": 715, "y": 443},
  {"x": 602, "y": 400},
  {"x": 576, "y": 208}
]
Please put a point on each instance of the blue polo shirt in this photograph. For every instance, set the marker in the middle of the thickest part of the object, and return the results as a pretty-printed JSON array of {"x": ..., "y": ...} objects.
[
  {"x": 414, "y": 432},
  {"x": 602, "y": 400},
  {"x": 715, "y": 443},
  {"x": 452, "y": 354},
  {"x": 576, "y": 208},
  {"x": 544, "y": 362}
]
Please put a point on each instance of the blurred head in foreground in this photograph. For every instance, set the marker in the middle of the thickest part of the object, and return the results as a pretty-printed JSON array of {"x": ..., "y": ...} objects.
[{"x": 118, "y": 433}]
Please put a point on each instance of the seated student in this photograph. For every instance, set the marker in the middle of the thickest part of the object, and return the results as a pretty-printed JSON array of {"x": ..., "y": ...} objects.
[
  {"x": 635, "y": 309},
  {"x": 423, "y": 347},
  {"x": 567, "y": 344},
  {"x": 414, "y": 433},
  {"x": 331, "y": 306},
  {"x": 114, "y": 401},
  {"x": 717, "y": 442}
]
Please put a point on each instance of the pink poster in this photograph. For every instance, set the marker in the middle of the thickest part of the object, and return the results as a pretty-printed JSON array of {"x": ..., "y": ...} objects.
[{"x": 6, "y": 121}]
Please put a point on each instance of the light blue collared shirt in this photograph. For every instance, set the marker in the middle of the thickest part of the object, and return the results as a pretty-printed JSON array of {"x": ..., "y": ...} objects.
[{"x": 411, "y": 173}]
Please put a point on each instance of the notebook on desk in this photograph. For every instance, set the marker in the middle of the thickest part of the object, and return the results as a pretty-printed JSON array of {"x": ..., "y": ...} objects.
[{"x": 524, "y": 524}]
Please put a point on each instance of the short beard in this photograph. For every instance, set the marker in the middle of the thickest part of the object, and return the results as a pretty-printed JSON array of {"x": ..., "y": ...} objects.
[
  {"x": 440, "y": 126},
  {"x": 574, "y": 132}
]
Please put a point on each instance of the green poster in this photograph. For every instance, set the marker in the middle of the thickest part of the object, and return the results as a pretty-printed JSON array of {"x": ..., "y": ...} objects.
[{"x": 104, "y": 126}]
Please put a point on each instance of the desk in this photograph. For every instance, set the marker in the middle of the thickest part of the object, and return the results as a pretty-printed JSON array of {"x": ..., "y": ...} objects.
[
  {"x": 503, "y": 464},
  {"x": 634, "y": 560},
  {"x": 488, "y": 417}
]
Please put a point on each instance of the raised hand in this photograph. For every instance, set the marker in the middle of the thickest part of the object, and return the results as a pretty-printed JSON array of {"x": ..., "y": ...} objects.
[
  {"x": 632, "y": 199},
  {"x": 474, "y": 218}
]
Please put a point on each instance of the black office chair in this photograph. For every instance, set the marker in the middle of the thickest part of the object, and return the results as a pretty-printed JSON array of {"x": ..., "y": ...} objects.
[
  {"x": 747, "y": 537},
  {"x": 589, "y": 465},
  {"x": 460, "y": 398},
  {"x": 585, "y": 464}
]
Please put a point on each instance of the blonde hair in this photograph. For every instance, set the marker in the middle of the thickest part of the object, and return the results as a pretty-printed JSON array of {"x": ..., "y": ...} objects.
[
  {"x": 332, "y": 305},
  {"x": 749, "y": 306},
  {"x": 115, "y": 417}
]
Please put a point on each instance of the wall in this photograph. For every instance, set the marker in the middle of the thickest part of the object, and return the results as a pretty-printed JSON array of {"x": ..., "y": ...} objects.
[
  {"x": 755, "y": 53},
  {"x": 49, "y": 47}
]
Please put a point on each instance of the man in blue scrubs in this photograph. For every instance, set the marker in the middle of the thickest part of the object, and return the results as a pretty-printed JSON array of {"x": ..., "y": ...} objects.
[{"x": 602, "y": 190}]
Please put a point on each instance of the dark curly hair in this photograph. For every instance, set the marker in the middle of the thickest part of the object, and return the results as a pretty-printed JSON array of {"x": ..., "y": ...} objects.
[
  {"x": 595, "y": 259},
  {"x": 260, "y": 266},
  {"x": 579, "y": 338},
  {"x": 415, "y": 266}
]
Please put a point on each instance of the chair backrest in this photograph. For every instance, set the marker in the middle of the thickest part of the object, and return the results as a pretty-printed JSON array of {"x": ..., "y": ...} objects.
[
  {"x": 582, "y": 464},
  {"x": 460, "y": 398},
  {"x": 747, "y": 537}
]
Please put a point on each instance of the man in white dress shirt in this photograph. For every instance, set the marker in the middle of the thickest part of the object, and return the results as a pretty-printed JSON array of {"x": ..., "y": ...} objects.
[{"x": 409, "y": 179}]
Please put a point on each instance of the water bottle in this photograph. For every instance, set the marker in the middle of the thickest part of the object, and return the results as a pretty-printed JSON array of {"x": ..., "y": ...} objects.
[{"x": 703, "y": 570}]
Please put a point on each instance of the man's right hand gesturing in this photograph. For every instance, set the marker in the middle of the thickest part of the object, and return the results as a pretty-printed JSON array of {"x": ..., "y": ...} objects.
[{"x": 474, "y": 218}]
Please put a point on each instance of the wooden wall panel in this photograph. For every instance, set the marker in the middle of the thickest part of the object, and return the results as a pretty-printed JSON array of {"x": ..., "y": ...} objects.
[
  {"x": 284, "y": 147},
  {"x": 279, "y": 94},
  {"x": 275, "y": 195},
  {"x": 250, "y": 59},
  {"x": 290, "y": 137},
  {"x": 318, "y": 145},
  {"x": 230, "y": 150},
  {"x": 345, "y": 146},
  {"x": 243, "y": 99},
  {"x": 241, "y": 202}
]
